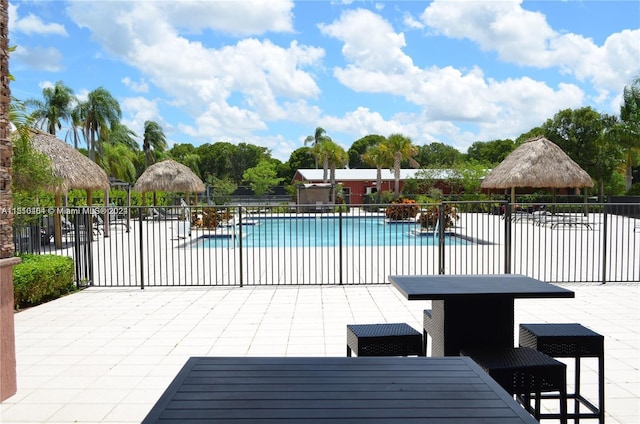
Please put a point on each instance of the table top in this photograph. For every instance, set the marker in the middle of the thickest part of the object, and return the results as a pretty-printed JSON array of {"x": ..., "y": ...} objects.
[
  {"x": 370, "y": 390},
  {"x": 447, "y": 287}
]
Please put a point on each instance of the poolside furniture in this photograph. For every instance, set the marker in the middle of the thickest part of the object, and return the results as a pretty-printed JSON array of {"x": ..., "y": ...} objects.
[
  {"x": 47, "y": 228},
  {"x": 383, "y": 340},
  {"x": 570, "y": 341},
  {"x": 473, "y": 310},
  {"x": 323, "y": 390},
  {"x": 555, "y": 220},
  {"x": 525, "y": 371},
  {"x": 427, "y": 328}
]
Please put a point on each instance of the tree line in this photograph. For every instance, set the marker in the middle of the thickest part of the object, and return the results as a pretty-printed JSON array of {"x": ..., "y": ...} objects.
[{"x": 606, "y": 146}]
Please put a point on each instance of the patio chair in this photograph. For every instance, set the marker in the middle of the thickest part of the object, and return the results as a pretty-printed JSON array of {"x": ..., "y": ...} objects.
[
  {"x": 47, "y": 228},
  {"x": 555, "y": 220}
]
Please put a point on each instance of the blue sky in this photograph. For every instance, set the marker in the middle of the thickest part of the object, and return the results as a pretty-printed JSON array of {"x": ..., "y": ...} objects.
[{"x": 270, "y": 72}]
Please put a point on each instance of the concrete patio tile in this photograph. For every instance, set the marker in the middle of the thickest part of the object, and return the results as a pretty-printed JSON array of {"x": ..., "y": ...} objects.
[{"x": 131, "y": 343}]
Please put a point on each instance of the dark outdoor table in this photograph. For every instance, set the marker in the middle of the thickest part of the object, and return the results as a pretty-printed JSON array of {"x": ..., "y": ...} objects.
[
  {"x": 471, "y": 311},
  {"x": 369, "y": 390}
]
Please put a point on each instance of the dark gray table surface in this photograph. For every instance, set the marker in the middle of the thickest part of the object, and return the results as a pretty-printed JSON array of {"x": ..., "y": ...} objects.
[
  {"x": 370, "y": 390},
  {"x": 473, "y": 311},
  {"x": 443, "y": 287}
]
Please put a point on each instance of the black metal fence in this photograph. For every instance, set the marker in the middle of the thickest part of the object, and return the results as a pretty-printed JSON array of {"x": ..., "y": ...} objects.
[{"x": 326, "y": 244}]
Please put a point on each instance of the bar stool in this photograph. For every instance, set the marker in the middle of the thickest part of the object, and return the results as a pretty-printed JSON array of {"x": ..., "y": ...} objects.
[
  {"x": 570, "y": 341},
  {"x": 398, "y": 339},
  {"x": 524, "y": 371}
]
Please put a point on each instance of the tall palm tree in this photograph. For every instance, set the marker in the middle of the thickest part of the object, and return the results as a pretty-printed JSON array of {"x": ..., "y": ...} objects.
[
  {"x": 154, "y": 142},
  {"x": 77, "y": 126},
  {"x": 627, "y": 130},
  {"x": 118, "y": 160},
  {"x": 379, "y": 156},
  {"x": 402, "y": 148},
  {"x": 121, "y": 134},
  {"x": 318, "y": 136},
  {"x": 332, "y": 156},
  {"x": 337, "y": 158},
  {"x": 320, "y": 152},
  {"x": 56, "y": 106},
  {"x": 99, "y": 113}
]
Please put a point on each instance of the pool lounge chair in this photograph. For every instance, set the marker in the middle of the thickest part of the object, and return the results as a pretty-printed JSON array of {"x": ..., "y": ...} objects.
[
  {"x": 553, "y": 220},
  {"x": 47, "y": 228}
]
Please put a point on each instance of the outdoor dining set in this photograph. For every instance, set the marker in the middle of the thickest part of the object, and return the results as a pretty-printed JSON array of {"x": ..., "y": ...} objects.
[{"x": 474, "y": 372}]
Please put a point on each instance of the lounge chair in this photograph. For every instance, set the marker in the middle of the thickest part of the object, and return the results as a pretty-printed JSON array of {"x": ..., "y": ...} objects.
[
  {"x": 162, "y": 214},
  {"x": 47, "y": 228},
  {"x": 553, "y": 220}
]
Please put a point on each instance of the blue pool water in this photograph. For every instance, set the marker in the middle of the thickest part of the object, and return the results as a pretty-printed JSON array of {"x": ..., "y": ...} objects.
[{"x": 326, "y": 231}]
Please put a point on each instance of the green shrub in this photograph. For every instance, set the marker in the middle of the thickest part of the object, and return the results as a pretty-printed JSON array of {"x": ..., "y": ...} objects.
[
  {"x": 39, "y": 278},
  {"x": 402, "y": 209},
  {"x": 430, "y": 216}
]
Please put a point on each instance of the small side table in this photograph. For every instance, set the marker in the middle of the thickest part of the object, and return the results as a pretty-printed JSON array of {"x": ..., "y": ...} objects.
[{"x": 570, "y": 341}]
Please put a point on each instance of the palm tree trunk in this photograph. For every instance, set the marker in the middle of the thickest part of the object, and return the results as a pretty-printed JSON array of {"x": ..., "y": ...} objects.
[{"x": 378, "y": 185}]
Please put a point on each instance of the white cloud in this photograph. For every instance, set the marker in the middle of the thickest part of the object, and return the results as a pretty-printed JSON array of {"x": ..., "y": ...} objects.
[
  {"x": 203, "y": 79},
  {"x": 525, "y": 38},
  {"x": 138, "y": 110},
  {"x": 39, "y": 58},
  {"x": 247, "y": 17},
  {"x": 32, "y": 25},
  {"x": 139, "y": 87},
  {"x": 449, "y": 98},
  {"x": 369, "y": 41},
  {"x": 411, "y": 22}
]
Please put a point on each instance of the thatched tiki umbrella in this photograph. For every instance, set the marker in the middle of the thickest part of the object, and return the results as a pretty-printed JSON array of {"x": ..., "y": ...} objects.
[
  {"x": 537, "y": 163},
  {"x": 72, "y": 170},
  {"x": 168, "y": 175}
]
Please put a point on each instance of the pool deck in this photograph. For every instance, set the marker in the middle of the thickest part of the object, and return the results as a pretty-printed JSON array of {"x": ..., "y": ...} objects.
[{"x": 105, "y": 355}]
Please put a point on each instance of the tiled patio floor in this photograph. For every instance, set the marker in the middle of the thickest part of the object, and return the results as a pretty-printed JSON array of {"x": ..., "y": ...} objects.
[{"x": 106, "y": 355}]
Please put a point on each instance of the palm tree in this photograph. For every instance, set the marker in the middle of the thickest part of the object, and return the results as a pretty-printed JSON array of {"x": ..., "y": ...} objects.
[
  {"x": 627, "y": 130},
  {"x": 118, "y": 160},
  {"x": 99, "y": 113},
  {"x": 56, "y": 106},
  {"x": 379, "y": 156},
  {"x": 337, "y": 158},
  {"x": 318, "y": 136},
  {"x": 154, "y": 142},
  {"x": 332, "y": 156},
  {"x": 401, "y": 148},
  {"x": 320, "y": 152},
  {"x": 76, "y": 126},
  {"x": 6, "y": 219}
]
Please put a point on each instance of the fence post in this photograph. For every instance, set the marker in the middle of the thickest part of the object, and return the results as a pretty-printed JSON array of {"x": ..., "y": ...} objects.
[
  {"x": 440, "y": 229},
  {"x": 507, "y": 238},
  {"x": 140, "y": 217},
  {"x": 340, "y": 244},
  {"x": 605, "y": 235},
  {"x": 240, "y": 226}
]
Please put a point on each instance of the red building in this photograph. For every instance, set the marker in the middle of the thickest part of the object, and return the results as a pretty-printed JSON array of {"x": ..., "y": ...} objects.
[{"x": 357, "y": 183}]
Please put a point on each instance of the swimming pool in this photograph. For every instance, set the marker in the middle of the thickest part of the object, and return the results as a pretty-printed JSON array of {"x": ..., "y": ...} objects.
[{"x": 325, "y": 231}]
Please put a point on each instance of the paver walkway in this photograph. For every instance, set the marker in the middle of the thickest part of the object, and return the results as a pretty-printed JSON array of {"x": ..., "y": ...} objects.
[{"x": 106, "y": 355}]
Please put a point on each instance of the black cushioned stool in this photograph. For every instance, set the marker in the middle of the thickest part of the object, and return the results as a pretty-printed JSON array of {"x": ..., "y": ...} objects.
[
  {"x": 383, "y": 340},
  {"x": 427, "y": 328},
  {"x": 523, "y": 372},
  {"x": 570, "y": 341}
]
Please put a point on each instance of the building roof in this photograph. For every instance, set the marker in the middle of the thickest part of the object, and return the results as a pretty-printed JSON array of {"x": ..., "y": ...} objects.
[{"x": 370, "y": 174}]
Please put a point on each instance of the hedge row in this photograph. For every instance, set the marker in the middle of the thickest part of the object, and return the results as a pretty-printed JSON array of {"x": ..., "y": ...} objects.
[{"x": 40, "y": 278}]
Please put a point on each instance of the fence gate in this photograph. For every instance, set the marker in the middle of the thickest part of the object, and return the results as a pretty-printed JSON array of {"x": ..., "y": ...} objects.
[{"x": 84, "y": 232}]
